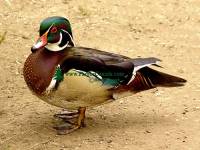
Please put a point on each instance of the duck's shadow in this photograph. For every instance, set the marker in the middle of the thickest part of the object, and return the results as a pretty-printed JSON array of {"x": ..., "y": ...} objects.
[
  {"x": 99, "y": 122},
  {"x": 126, "y": 120}
]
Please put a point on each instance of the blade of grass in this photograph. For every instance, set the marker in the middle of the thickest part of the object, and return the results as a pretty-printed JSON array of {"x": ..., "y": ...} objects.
[{"x": 2, "y": 37}]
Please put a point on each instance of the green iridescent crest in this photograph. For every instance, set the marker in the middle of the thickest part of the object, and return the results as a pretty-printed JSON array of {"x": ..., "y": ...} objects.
[{"x": 59, "y": 22}]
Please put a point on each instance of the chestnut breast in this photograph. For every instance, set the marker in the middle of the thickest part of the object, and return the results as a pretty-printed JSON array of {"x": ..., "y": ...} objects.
[{"x": 39, "y": 69}]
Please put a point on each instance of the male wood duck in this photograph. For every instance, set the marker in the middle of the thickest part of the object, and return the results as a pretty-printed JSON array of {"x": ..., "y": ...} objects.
[{"x": 75, "y": 78}]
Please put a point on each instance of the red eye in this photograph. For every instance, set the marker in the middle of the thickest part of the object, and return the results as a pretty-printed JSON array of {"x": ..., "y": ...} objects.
[{"x": 54, "y": 30}]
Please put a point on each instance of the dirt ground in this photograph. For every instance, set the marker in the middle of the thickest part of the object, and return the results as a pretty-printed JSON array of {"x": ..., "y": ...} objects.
[{"x": 158, "y": 119}]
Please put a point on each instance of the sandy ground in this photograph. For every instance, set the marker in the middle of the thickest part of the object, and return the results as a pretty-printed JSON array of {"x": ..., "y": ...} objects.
[{"x": 158, "y": 119}]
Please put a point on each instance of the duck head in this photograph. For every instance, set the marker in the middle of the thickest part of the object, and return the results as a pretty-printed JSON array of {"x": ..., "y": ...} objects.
[{"x": 55, "y": 34}]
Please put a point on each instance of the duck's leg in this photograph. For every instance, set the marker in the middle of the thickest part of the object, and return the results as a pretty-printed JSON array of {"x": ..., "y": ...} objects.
[
  {"x": 81, "y": 117},
  {"x": 66, "y": 129}
]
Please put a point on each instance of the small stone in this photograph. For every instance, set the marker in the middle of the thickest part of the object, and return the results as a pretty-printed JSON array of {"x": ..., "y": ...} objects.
[
  {"x": 121, "y": 102},
  {"x": 109, "y": 141},
  {"x": 147, "y": 131},
  {"x": 87, "y": 21},
  {"x": 25, "y": 37},
  {"x": 184, "y": 118},
  {"x": 10, "y": 96},
  {"x": 167, "y": 133},
  {"x": 185, "y": 111},
  {"x": 103, "y": 117},
  {"x": 180, "y": 70},
  {"x": 16, "y": 73},
  {"x": 17, "y": 62},
  {"x": 157, "y": 93}
]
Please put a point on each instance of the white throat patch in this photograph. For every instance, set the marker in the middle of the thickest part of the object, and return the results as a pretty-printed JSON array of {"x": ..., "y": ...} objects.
[{"x": 55, "y": 46}]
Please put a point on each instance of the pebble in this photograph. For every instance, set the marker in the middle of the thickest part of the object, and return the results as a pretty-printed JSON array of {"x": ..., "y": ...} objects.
[
  {"x": 167, "y": 133},
  {"x": 185, "y": 111},
  {"x": 121, "y": 102},
  {"x": 10, "y": 96},
  {"x": 157, "y": 93},
  {"x": 180, "y": 70},
  {"x": 16, "y": 73},
  {"x": 184, "y": 118},
  {"x": 147, "y": 131},
  {"x": 109, "y": 141}
]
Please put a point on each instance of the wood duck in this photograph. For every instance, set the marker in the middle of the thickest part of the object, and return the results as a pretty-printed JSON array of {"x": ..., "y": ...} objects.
[{"x": 75, "y": 78}]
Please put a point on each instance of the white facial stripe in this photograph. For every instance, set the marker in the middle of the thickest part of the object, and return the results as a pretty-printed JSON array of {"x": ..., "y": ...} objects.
[
  {"x": 69, "y": 36},
  {"x": 40, "y": 43},
  {"x": 50, "y": 27},
  {"x": 55, "y": 46}
]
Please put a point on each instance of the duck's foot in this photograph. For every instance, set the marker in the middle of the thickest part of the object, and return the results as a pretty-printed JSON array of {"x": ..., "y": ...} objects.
[
  {"x": 69, "y": 126},
  {"x": 67, "y": 116},
  {"x": 66, "y": 128}
]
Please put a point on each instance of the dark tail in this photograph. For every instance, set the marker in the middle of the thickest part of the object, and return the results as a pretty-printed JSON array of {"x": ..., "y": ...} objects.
[{"x": 147, "y": 78}]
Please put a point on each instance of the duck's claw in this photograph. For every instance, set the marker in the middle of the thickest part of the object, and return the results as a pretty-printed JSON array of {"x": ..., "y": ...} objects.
[
  {"x": 66, "y": 129},
  {"x": 69, "y": 126}
]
